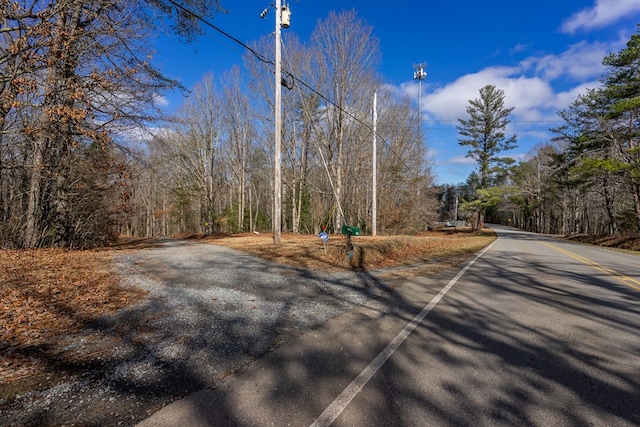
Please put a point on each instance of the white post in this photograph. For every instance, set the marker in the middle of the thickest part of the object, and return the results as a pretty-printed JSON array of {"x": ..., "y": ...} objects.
[
  {"x": 277, "y": 177},
  {"x": 374, "y": 179}
]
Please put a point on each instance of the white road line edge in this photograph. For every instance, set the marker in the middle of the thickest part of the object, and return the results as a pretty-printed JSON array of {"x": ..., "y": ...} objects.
[{"x": 340, "y": 403}]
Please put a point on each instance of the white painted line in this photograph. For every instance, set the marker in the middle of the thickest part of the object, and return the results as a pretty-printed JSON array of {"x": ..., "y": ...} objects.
[{"x": 340, "y": 403}]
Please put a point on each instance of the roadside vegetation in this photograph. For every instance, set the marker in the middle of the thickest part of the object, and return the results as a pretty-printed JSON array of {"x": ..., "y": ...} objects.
[
  {"x": 441, "y": 248},
  {"x": 630, "y": 242}
]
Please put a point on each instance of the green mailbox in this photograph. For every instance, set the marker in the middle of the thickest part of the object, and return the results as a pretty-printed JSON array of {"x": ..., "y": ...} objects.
[{"x": 350, "y": 230}]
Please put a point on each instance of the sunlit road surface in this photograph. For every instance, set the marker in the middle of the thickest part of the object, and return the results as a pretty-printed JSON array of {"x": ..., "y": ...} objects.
[{"x": 535, "y": 332}]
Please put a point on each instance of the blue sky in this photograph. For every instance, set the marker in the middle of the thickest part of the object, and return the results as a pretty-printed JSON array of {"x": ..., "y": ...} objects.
[{"x": 542, "y": 54}]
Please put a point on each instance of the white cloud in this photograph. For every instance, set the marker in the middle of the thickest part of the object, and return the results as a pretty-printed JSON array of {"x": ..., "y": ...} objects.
[
  {"x": 527, "y": 94},
  {"x": 603, "y": 13},
  {"x": 141, "y": 134},
  {"x": 579, "y": 62},
  {"x": 562, "y": 100},
  {"x": 161, "y": 101},
  {"x": 460, "y": 160},
  {"x": 538, "y": 87},
  {"x": 521, "y": 47}
]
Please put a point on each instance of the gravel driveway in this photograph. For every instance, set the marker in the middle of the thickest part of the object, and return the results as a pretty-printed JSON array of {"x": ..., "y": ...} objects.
[{"x": 210, "y": 312}]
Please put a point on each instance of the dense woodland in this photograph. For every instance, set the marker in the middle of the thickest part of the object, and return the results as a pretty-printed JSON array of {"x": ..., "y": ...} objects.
[{"x": 86, "y": 155}]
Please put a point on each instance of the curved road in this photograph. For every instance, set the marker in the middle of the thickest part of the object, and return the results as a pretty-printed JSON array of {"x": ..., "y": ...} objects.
[{"x": 534, "y": 332}]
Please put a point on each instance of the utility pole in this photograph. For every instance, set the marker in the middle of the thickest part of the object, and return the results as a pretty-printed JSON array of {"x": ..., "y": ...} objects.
[
  {"x": 455, "y": 209},
  {"x": 283, "y": 15},
  {"x": 374, "y": 179},
  {"x": 419, "y": 75},
  {"x": 277, "y": 173}
]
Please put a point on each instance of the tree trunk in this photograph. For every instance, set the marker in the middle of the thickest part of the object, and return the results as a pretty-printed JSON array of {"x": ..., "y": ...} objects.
[
  {"x": 339, "y": 171},
  {"x": 32, "y": 230},
  {"x": 636, "y": 203},
  {"x": 295, "y": 219}
]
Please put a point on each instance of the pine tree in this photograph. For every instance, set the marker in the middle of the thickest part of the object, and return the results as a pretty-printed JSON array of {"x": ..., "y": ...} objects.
[
  {"x": 484, "y": 133},
  {"x": 622, "y": 88}
]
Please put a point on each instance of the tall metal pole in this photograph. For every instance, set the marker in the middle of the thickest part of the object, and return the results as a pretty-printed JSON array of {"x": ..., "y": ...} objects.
[
  {"x": 374, "y": 179},
  {"x": 277, "y": 177},
  {"x": 419, "y": 75},
  {"x": 420, "y": 110}
]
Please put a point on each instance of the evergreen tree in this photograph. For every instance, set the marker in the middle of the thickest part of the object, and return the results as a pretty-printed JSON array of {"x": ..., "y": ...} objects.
[
  {"x": 622, "y": 88},
  {"x": 484, "y": 133}
]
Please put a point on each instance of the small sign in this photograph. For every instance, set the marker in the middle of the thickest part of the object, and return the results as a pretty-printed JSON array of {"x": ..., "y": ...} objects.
[
  {"x": 324, "y": 236},
  {"x": 350, "y": 230}
]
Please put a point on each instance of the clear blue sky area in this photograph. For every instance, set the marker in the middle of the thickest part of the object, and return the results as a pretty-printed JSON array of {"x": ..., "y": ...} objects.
[{"x": 542, "y": 54}]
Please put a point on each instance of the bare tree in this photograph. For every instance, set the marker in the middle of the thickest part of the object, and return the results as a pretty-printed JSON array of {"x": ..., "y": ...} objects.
[
  {"x": 347, "y": 55},
  {"x": 407, "y": 199},
  {"x": 240, "y": 133},
  {"x": 77, "y": 74},
  {"x": 326, "y": 141}
]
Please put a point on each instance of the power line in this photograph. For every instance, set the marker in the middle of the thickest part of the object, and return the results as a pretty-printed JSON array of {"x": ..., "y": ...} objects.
[
  {"x": 262, "y": 58},
  {"x": 224, "y": 33},
  {"x": 265, "y": 60},
  {"x": 510, "y": 121}
]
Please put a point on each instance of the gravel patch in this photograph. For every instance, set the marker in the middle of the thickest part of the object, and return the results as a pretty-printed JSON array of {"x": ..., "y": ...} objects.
[{"x": 210, "y": 312}]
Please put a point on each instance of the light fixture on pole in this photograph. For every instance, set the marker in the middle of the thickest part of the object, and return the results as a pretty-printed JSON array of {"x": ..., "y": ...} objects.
[{"x": 285, "y": 18}]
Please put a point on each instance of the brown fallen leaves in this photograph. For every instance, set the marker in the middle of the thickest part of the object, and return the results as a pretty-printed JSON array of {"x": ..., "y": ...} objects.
[
  {"x": 47, "y": 293},
  {"x": 625, "y": 241},
  {"x": 50, "y": 297}
]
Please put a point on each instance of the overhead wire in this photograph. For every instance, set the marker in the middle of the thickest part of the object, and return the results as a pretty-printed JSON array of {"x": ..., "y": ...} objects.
[
  {"x": 310, "y": 88},
  {"x": 224, "y": 33},
  {"x": 266, "y": 60}
]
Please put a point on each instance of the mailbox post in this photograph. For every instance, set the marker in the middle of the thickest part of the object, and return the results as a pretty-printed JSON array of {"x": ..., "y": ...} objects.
[{"x": 349, "y": 231}]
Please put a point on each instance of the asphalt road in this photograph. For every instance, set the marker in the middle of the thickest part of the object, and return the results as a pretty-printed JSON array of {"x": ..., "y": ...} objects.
[{"x": 534, "y": 332}]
